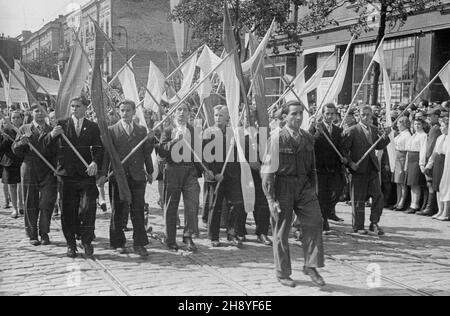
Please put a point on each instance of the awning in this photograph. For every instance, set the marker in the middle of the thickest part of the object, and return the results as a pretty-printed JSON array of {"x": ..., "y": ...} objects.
[{"x": 323, "y": 49}]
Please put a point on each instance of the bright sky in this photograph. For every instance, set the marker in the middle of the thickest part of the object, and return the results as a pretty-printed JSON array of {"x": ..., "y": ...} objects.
[{"x": 18, "y": 15}]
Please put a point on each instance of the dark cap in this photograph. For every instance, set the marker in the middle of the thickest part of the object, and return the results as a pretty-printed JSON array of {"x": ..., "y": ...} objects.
[{"x": 435, "y": 111}]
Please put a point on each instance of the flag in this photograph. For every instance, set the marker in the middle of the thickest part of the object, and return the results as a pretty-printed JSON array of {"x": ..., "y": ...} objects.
[
  {"x": 379, "y": 58},
  {"x": 445, "y": 77},
  {"x": 59, "y": 73},
  {"x": 338, "y": 80},
  {"x": 227, "y": 73},
  {"x": 156, "y": 85},
  {"x": 258, "y": 76},
  {"x": 73, "y": 80},
  {"x": 188, "y": 70},
  {"x": 7, "y": 91},
  {"x": 258, "y": 52},
  {"x": 98, "y": 102},
  {"x": 31, "y": 88}
]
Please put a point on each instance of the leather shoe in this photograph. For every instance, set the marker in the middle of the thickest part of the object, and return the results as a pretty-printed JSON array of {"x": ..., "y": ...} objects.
[
  {"x": 88, "y": 250},
  {"x": 263, "y": 239},
  {"x": 314, "y": 275},
  {"x": 35, "y": 242},
  {"x": 287, "y": 282},
  {"x": 45, "y": 240},
  {"x": 235, "y": 241},
  {"x": 426, "y": 212},
  {"x": 190, "y": 244},
  {"x": 215, "y": 243},
  {"x": 141, "y": 251},
  {"x": 412, "y": 211},
  {"x": 21, "y": 212},
  {"x": 72, "y": 252},
  {"x": 374, "y": 228},
  {"x": 335, "y": 218},
  {"x": 172, "y": 247}
]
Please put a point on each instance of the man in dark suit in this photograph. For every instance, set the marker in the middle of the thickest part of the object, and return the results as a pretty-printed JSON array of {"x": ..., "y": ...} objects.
[
  {"x": 181, "y": 175},
  {"x": 365, "y": 181},
  {"x": 78, "y": 184},
  {"x": 329, "y": 165},
  {"x": 125, "y": 136},
  {"x": 39, "y": 182}
]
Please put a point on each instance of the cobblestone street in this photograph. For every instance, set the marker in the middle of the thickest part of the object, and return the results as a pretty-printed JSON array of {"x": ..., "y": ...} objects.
[{"x": 412, "y": 259}]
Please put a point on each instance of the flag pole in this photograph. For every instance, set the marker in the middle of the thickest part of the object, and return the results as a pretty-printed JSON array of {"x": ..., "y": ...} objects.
[
  {"x": 77, "y": 153},
  {"x": 193, "y": 89},
  {"x": 8, "y": 122},
  {"x": 177, "y": 69},
  {"x": 404, "y": 111},
  {"x": 120, "y": 71},
  {"x": 360, "y": 85}
]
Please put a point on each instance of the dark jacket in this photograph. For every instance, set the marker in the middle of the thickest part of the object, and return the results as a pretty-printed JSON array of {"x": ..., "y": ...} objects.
[
  {"x": 89, "y": 145},
  {"x": 140, "y": 163},
  {"x": 433, "y": 135},
  {"x": 355, "y": 145},
  {"x": 327, "y": 160},
  {"x": 33, "y": 167},
  {"x": 166, "y": 145},
  {"x": 8, "y": 158}
]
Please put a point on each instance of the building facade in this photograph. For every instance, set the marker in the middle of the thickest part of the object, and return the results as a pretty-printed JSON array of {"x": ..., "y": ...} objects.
[{"x": 414, "y": 53}]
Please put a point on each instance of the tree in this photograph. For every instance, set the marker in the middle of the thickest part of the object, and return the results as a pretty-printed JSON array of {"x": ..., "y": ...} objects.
[
  {"x": 46, "y": 66},
  {"x": 393, "y": 13},
  {"x": 205, "y": 18}
]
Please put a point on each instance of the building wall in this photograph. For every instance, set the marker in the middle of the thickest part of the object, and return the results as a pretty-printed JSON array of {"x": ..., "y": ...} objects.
[{"x": 9, "y": 50}]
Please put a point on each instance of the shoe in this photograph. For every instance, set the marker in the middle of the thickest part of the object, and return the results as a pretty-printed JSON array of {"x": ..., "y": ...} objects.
[
  {"x": 103, "y": 207},
  {"x": 360, "y": 231},
  {"x": 235, "y": 241},
  {"x": 334, "y": 218},
  {"x": 399, "y": 209},
  {"x": 443, "y": 219},
  {"x": 45, "y": 240},
  {"x": 72, "y": 252},
  {"x": 88, "y": 250},
  {"x": 141, "y": 251},
  {"x": 21, "y": 212},
  {"x": 298, "y": 235},
  {"x": 287, "y": 282},
  {"x": 190, "y": 244},
  {"x": 426, "y": 212},
  {"x": 6, "y": 206},
  {"x": 263, "y": 239},
  {"x": 120, "y": 250},
  {"x": 374, "y": 228},
  {"x": 412, "y": 211},
  {"x": 14, "y": 215},
  {"x": 35, "y": 242},
  {"x": 172, "y": 247},
  {"x": 314, "y": 275},
  {"x": 215, "y": 243}
]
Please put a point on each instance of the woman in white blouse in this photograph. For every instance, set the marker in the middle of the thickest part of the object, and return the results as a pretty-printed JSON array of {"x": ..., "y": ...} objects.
[
  {"x": 399, "y": 176},
  {"x": 416, "y": 147},
  {"x": 436, "y": 166}
]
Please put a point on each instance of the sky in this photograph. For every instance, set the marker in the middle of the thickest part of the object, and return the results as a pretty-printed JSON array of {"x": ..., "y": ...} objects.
[{"x": 19, "y": 15}]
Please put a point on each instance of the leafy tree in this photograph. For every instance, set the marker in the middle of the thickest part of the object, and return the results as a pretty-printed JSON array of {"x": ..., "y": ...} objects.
[
  {"x": 45, "y": 66},
  {"x": 205, "y": 18},
  {"x": 393, "y": 13}
]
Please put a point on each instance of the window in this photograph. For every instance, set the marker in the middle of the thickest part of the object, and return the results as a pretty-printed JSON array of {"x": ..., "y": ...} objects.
[{"x": 274, "y": 85}]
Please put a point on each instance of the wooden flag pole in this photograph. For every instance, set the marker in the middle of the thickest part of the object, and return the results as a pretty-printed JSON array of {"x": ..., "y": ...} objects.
[{"x": 184, "y": 62}]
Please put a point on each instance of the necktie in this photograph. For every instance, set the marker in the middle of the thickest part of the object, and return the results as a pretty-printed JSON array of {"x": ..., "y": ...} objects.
[
  {"x": 128, "y": 129},
  {"x": 78, "y": 128}
]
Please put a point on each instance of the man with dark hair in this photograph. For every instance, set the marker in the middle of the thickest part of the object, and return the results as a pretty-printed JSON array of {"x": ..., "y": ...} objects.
[
  {"x": 38, "y": 180},
  {"x": 125, "y": 136},
  {"x": 328, "y": 163},
  {"x": 365, "y": 181},
  {"x": 289, "y": 183},
  {"x": 78, "y": 183},
  {"x": 180, "y": 176}
]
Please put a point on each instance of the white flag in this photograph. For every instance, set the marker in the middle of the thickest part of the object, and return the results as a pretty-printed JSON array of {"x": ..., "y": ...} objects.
[
  {"x": 156, "y": 85},
  {"x": 445, "y": 77},
  {"x": 227, "y": 73},
  {"x": 206, "y": 62},
  {"x": 188, "y": 71}
]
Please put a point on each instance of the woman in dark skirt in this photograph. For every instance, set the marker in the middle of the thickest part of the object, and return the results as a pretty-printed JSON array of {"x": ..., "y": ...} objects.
[
  {"x": 399, "y": 175},
  {"x": 414, "y": 176},
  {"x": 436, "y": 167},
  {"x": 11, "y": 164}
]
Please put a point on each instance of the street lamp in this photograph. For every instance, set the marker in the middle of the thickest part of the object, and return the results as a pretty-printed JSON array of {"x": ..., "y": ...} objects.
[{"x": 119, "y": 34}]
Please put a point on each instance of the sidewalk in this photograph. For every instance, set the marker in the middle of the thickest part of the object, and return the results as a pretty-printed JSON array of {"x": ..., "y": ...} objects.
[{"x": 412, "y": 259}]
